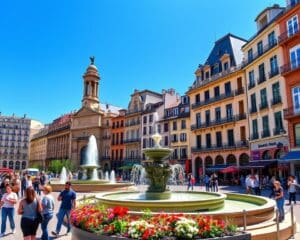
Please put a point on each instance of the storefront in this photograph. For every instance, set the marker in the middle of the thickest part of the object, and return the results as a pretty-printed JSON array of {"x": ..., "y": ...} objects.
[
  {"x": 293, "y": 158},
  {"x": 273, "y": 149}
]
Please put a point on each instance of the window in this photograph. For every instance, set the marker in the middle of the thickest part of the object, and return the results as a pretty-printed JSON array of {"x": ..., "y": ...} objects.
[
  {"x": 217, "y": 91},
  {"x": 227, "y": 88},
  {"x": 253, "y": 103},
  {"x": 226, "y": 66},
  {"x": 273, "y": 66},
  {"x": 151, "y": 118},
  {"x": 197, "y": 98},
  {"x": 250, "y": 55},
  {"x": 183, "y": 137},
  {"x": 150, "y": 130},
  {"x": 198, "y": 119},
  {"x": 145, "y": 119},
  {"x": 207, "y": 117},
  {"x": 144, "y": 143},
  {"x": 166, "y": 127},
  {"x": 207, "y": 75},
  {"x": 206, "y": 95},
  {"x": 251, "y": 79},
  {"x": 265, "y": 123},
  {"x": 254, "y": 129},
  {"x": 261, "y": 73},
  {"x": 183, "y": 124},
  {"x": 278, "y": 122},
  {"x": 217, "y": 114},
  {"x": 276, "y": 93},
  {"x": 175, "y": 154},
  {"x": 263, "y": 98},
  {"x": 297, "y": 134},
  {"x": 158, "y": 128},
  {"x": 198, "y": 141},
  {"x": 230, "y": 136},
  {"x": 229, "y": 111},
  {"x": 219, "y": 139},
  {"x": 208, "y": 140},
  {"x": 292, "y": 26},
  {"x": 183, "y": 153},
  {"x": 174, "y": 125},
  {"x": 295, "y": 57},
  {"x": 174, "y": 138},
  {"x": 144, "y": 130},
  {"x": 296, "y": 99},
  {"x": 272, "y": 39},
  {"x": 166, "y": 141},
  {"x": 260, "y": 49}
]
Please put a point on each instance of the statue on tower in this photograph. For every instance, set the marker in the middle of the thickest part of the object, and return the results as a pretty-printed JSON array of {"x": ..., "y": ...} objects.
[{"x": 92, "y": 60}]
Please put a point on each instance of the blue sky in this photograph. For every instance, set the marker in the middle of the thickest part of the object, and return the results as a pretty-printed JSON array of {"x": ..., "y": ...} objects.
[{"x": 138, "y": 44}]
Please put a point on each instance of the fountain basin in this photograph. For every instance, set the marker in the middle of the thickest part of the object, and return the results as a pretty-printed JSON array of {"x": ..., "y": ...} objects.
[
  {"x": 178, "y": 201},
  {"x": 157, "y": 154}
]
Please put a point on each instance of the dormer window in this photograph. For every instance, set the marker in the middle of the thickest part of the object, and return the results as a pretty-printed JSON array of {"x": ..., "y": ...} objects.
[
  {"x": 207, "y": 75},
  {"x": 225, "y": 66}
]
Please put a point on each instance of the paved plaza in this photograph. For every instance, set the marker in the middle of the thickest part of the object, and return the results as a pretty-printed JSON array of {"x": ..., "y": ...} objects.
[{"x": 223, "y": 189}]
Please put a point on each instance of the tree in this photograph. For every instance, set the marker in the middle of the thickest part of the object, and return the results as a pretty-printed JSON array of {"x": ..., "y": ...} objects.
[{"x": 57, "y": 165}]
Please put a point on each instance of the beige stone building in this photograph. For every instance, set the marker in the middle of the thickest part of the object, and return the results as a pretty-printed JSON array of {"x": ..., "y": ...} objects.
[
  {"x": 266, "y": 91},
  {"x": 219, "y": 123},
  {"x": 38, "y": 148}
]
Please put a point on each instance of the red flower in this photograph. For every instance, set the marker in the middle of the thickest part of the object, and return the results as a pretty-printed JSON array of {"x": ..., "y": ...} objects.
[{"x": 120, "y": 211}]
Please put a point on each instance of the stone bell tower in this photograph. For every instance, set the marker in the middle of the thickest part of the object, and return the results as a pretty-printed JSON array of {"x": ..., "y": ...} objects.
[{"x": 91, "y": 83}]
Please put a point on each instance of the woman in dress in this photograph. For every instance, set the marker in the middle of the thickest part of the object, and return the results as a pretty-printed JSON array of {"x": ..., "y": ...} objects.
[{"x": 28, "y": 208}]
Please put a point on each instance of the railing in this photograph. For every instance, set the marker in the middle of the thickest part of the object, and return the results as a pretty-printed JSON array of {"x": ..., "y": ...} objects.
[
  {"x": 278, "y": 131},
  {"x": 241, "y": 144},
  {"x": 251, "y": 85},
  {"x": 215, "y": 122},
  {"x": 254, "y": 136},
  {"x": 265, "y": 49},
  {"x": 261, "y": 79},
  {"x": 132, "y": 140},
  {"x": 291, "y": 112},
  {"x": 132, "y": 123},
  {"x": 274, "y": 72},
  {"x": 239, "y": 91},
  {"x": 132, "y": 112},
  {"x": 213, "y": 100},
  {"x": 292, "y": 66},
  {"x": 253, "y": 110},
  {"x": 265, "y": 133},
  {"x": 263, "y": 105},
  {"x": 276, "y": 100},
  {"x": 286, "y": 36}
]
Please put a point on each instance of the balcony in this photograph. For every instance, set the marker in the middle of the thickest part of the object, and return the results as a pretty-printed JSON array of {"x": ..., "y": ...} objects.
[
  {"x": 276, "y": 100},
  {"x": 265, "y": 49},
  {"x": 278, "y": 131},
  {"x": 239, "y": 91},
  {"x": 274, "y": 72},
  {"x": 265, "y": 133},
  {"x": 106, "y": 158},
  {"x": 217, "y": 122},
  {"x": 290, "y": 67},
  {"x": 261, "y": 79},
  {"x": 253, "y": 110},
  {"x": 132, "y": 123},
  {"x": 291, "y": 112},
  {"x": 213, "y": 99},
  {"x": 254, "y": 136},
  {"x": 132, "y": 140},
  {"x": 251, "y": 85},
  {"x": 285, "y": 37},
  {"x": 218, "y": 147},
  {"x": 131, "y": 112},
  {"x": 132, "y": 160},
  {"x": 263, "y": 106},
  {"x": 174, "y": 140},
  {"x": 241, "y": 116}
]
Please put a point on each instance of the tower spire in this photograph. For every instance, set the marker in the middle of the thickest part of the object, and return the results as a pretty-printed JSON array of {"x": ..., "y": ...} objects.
[{"x": 91, "y": 83}]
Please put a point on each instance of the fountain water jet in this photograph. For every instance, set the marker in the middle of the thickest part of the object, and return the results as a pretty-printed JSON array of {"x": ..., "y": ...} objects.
[
  {"x": 63, "y": 176},
  {"x": 112, "y": 178}
]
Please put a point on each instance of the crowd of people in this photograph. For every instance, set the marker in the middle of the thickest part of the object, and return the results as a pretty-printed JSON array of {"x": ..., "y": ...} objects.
[{"x": 31, "y": 197}]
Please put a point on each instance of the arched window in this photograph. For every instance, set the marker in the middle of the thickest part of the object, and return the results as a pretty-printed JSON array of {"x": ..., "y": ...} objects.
[
  {"x": 23, "y": 164},
  {"x": 219, "y": 160},
  {"x": 17, "y": 167},
  {"x": 244, "y": 159},
  {"x": 11, "y": 165},
  {"x": 231, "y": 160},
  {"x": 266, "y": 155}
]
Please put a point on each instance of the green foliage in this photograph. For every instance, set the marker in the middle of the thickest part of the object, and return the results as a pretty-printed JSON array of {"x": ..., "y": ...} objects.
[
  {"x": 146, "y": 214},
  {"x": 232, "y": 228},
  {"x": 56, "y": 165},
  {"x": 35, "y": 165}
]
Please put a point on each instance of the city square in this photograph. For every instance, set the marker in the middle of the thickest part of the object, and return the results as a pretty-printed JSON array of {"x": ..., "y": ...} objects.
[{"x": 214, "y": 154}]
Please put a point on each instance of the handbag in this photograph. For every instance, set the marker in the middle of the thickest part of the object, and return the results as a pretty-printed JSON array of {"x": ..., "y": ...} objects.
[{"x": 39, "y": 215}]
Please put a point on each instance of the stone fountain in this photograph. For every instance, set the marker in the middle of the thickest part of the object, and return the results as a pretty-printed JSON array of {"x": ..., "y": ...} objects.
[{"x": 89, "y": 161}]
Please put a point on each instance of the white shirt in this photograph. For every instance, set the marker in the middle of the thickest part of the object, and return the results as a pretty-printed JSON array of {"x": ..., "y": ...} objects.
[
  {"x": 28, "y": 183},
  {"x": 6, "y": 197},
  {"x": 292, "y": 187}
]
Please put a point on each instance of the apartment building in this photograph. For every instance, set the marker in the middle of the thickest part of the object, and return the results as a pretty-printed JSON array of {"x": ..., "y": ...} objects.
[
  {"x": 38, "y": 148},
  {"x": 289, "y": 41},
  {"x": 219, "y": 126},
  {"x": 266, "y": 91}
]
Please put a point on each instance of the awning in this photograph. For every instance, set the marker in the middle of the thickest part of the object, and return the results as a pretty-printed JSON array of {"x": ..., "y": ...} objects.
[
  {"x": 216, "y": 168},
  {"x": 258, "y": 164},
  {"x": 291, "y": 156},
  {"x": 231, "y": 169}
]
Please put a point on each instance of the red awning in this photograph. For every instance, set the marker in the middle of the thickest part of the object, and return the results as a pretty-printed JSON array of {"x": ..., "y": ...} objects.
[
  {"x": 229, "y": 170},
  {"x": 7, "y": 170}
]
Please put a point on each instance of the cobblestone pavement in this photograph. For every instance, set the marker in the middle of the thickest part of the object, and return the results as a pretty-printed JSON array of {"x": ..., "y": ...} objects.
[{"x": 224, "y": 189}]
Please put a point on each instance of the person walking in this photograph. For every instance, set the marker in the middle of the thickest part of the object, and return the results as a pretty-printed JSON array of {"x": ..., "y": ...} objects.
[
  {"x": 36, "y": 184},
  {"x": 8, "y": 202},
  {"x": 47, "y": 210},
  {"x": 292, "y": 189},
  {"x": 23, "y": 184},
  {"x": 68, "y": 202},
  {"x": 279, "y": 198},
  {"x": 207, "y": 182},
  {"x": 189, "y": 181},
  {"x": 193, "y": 182},
  {"x": 29, "y": 208}
]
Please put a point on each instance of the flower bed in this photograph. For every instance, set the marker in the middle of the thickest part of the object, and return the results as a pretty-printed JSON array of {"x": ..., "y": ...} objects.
[{"x": 116, "y": 223}]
